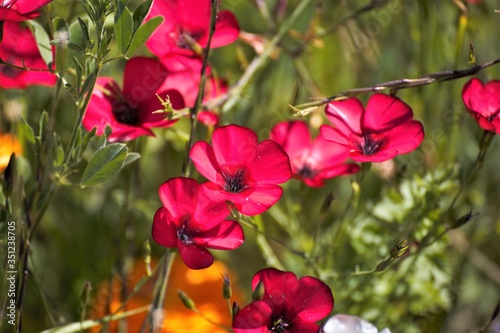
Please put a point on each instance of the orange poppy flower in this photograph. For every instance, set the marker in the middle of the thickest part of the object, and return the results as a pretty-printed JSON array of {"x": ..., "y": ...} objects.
[{"x": 204, "y": 287}]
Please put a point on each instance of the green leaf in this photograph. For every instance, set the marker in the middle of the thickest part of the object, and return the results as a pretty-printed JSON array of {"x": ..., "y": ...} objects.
[
  {"x": 59, "y": 157},
  {"x": 85, "y": 33},
  {"x": 105, "y": 164},
  {"x": 61, "y": 41},
  {"x": 140, "y": 13},
  {"x": 42, "y": 41},
  {"x": 131, "y": 157},
  {"x": 123, "y": 26},
  {"x": 89, "y": 81},
  {"x": 142, "y": 34},
  {"x": 27, "y": 131}
]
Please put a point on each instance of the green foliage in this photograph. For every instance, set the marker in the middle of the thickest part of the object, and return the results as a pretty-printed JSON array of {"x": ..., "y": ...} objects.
[{"x": 105, "y": 164}]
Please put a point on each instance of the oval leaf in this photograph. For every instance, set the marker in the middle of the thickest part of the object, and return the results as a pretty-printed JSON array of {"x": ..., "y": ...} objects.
[
  {"x": 105, "y": 164},
  {"x": 43, "y": 42},
  {"x": 142, "y": 34}
]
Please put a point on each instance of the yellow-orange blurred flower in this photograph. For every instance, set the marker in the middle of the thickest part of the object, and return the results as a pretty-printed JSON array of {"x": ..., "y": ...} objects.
[
  {"x": 204, "y": 287},
  {"x": 8, "y": 145}
]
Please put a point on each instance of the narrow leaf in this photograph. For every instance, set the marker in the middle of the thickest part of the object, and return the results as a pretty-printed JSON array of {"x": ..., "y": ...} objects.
[
  {"x": 142, "y": 34},
  {"x": 123, "y": 26},
  {"x": 131, "y": 157},
  {"x": 105, "y": 164}
]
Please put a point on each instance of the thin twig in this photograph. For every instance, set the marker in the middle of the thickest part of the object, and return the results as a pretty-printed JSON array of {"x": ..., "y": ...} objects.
[{"x": 304, "y": 109}]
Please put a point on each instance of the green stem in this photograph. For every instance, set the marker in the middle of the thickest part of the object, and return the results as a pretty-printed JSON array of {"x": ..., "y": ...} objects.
[
  {"x": 201, "y": 89},
  {"x": 161, "y": 288},
  {"x": 234, "y": 93}
]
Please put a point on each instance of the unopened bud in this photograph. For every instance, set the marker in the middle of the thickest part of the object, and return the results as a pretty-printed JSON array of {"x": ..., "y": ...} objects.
[
  {"x": 8, "y": 176},
  {"x": 383, "y": 265},
  {"x": 188, "y": 302},
  {"x": 85, "y": 296},
  {"x": 235, "y": 309},
  {"x": 146, "y": 254},
  {"x": 258, "y": 292},
  {"x": 226, "y": 287},
  {"x": 463, "y": 220},
  {"x": 399, "y": 249}
]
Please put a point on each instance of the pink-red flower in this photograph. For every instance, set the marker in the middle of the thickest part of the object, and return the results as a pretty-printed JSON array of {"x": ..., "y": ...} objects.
[
  {"x": 186, "y": 23},
  {"x": 190, "y": 221},
  {"x": 483, "y": 103},
  {"x": 130, "y": 112},
  {"x": 288, "y": 305},
  {"x": 242, "y": 170},
  {"x": 20, "y": 10},
  {"x": 18, "y": 47},
  {"x": 378, "y": 133},
  {"x": 312, "y": 161}
]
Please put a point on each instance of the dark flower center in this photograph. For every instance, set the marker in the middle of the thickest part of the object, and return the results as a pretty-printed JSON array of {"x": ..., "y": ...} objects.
[
  {"x": 369, "y": 145},
  {"x": 279, "y": 325},
  {"x": 9, "y": 71},
  {"x": 183, "y": 235},
  {"x": 306, "y": 172},
  {"x": 125, "y": 114},
  {"x": 186, "y": 39},
  {"x": 235, "y": 183}
]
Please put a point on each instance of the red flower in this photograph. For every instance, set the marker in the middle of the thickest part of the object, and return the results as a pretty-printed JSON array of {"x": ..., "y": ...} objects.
[
  {"x": 130, "y": 112},
  {"x": 18, "y": 47},
  {"x": 208, "y": 118},
  {"x": 289, "y": 305},
  {"x": 384, "y": 130},
  {"x": 315, "y": 161},
  {"x": 20, "y": 10},
  {"x": 483, "y": 103},
  {"x": 241, "y": 170},
  {"x": 190, "y": 221},
  {"x": 188, "y": 21}
]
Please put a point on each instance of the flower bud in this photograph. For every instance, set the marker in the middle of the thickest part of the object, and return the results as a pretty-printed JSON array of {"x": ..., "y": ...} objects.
[
  {"x": 188, "y": 302},
  {"x": 226, "y": 287},
  {"x": 463, "y": 220},
  {"x": 258, "y": 292},
  {"x": 9, "y": 175}
]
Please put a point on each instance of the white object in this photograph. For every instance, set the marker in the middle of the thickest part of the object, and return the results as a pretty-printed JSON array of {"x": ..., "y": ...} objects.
[{"x": 342, "y": 323}]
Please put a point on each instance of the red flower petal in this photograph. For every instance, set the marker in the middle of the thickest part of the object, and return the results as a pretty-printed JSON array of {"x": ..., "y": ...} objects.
[
  {"x": 142, "y": 78},
  {"x": 259, "y": 200},
  {"x": 346, "y": 115},
  {"x": 400, "y": 140},
  {"x": 313, "y": 300},
  {"x": 483, "y": 99},
  {"x": 226, "y": 30},
  {"x": 164, "y": 230},
  {"x": 179, "y": 196},
  {"x": 253, "y": 318},
  {"x": 208, "y": 212},
  {"x": 195, "y": 257},
  {"x": 385, "y": 112},
  {"x": 21, "y": 10},
  {"x": 227, "y": 235},
  {"x": 202, "y": 155},
  {"x": 293, "y": 136},
  {"x": 333, "y": 134},
  {"x": 271, "y": 165},
  {"x": 234, "y": 145},
  {"x": 277, "y": 284}
]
